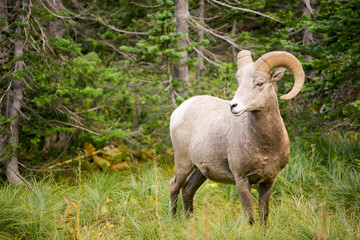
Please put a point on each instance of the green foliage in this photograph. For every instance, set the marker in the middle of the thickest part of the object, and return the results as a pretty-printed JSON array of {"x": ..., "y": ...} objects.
[
  {"x": 82, "y": 87},
  {"x": 334, "y": 90},
  {"x": 222, "y": 84},
  {"x": 153, "y": 81}
]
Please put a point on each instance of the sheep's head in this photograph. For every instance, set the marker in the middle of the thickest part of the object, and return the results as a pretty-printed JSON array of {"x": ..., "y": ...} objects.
[{"x": 257, "y": 82}]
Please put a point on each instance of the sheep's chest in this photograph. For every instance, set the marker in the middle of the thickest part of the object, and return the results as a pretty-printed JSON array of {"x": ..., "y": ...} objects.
[{"x": 259, "y": 163}]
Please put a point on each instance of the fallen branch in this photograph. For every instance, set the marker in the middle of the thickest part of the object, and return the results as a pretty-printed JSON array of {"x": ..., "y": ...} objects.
[{"x": 74, "y": 159}]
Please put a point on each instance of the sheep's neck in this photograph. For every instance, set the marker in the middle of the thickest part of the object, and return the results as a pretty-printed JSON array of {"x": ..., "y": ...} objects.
[{"x": 267, "y": 126}]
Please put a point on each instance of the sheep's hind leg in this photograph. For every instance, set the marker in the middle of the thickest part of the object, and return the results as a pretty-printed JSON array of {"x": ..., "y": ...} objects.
[
  {"x": 264, "y": 197},
  {"x": 192, "y": 184},
  {"x": 243, "y": 187},
  {"x": 177, "y": 182}
]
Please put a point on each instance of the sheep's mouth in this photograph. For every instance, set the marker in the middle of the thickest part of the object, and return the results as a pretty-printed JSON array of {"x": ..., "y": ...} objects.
[{"x": 238, "y": 113}]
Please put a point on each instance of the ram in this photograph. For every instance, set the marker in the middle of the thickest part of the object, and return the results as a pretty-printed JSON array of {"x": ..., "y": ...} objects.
[{"x": 243, "y": 141}]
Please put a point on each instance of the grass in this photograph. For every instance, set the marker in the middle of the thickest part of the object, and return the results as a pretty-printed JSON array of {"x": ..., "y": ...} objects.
[{"x": 317, "y": 196}]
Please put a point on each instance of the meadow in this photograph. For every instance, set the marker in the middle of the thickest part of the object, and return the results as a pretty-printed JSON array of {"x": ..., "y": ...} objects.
[{"x": 317, "y": 196}]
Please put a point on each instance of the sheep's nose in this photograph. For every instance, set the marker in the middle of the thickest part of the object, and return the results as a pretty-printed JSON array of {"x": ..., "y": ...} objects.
[{"x": 232, "y": 105}]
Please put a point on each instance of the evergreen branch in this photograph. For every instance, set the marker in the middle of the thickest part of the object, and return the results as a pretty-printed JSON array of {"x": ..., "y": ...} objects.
[
  {"x": 207, "y": 59},
  {"x": 208, "y": 19},
  {"x": 145, "y": 6},
  {"x": 103, "y": 22},
  {"x": 74, "y": 116},
  {"x": 115, "y": 49},
  {"x": 30, "y": 109},
  {"x": 44, "y": 37},
  {"x": 246, "y": 10},
  {"x": 7, "y": 74},
  {"x": 22, "y": 114},
  {"x": 31, "y": 43},
  {"x": 76, "y": 126},
  {"x": 107, "y": 43},
  {"x": 230, "y": 3},
  {"x": 95, "y": 19},
  {"x": 8, "y": 88},
  {"x": 177, "y": 95},
  {"x": 213, "y": 32}
]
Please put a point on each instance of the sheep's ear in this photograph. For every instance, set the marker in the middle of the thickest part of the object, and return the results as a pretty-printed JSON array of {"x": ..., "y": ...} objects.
[{"x": 277, "y": 74}]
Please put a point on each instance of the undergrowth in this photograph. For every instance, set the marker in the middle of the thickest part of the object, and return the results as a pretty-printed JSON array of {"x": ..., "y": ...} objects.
[{"x": 316, "y": 196}]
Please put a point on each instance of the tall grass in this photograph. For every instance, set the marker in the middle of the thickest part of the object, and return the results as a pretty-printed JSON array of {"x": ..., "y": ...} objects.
[{"x": 316, "y": 196}]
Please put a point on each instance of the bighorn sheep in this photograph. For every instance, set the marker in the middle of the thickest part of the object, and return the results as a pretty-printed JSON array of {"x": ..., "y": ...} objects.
[{"x": 246, "y": 145}]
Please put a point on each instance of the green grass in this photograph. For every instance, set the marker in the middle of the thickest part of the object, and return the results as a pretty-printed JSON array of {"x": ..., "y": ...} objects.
[{"x": 318, "y": 194}]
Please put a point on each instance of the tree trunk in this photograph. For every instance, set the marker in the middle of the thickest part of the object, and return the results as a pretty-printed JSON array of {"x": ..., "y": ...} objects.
[
  {"x": 4, "y": 51},
  {"x": 55, "y": 141},
  {"x": 308, "y": 37},
  {"x": 11, "y": 166},
  {"x": 233, "y": 48},
  {"x": 182, "y": 26},
  {"x": 200, "y": 65},
  {"x": 4, "y": 54},
  {"x": 55, "y": 27}
]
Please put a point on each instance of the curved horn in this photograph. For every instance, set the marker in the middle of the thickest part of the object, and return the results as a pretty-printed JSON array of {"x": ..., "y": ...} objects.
[
  {"x": 243, "y": 58},
  {"x": 280, "y": 58}
]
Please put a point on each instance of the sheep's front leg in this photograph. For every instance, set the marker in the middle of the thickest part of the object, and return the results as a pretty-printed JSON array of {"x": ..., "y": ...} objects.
[
  {"x": 243, "y": 187},
  {"x": 193, "y": 182},
  {"x": 265, "y": 189}
]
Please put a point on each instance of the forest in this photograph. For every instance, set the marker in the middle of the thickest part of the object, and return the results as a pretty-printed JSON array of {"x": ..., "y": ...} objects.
[{"x": 87, "y": 89}]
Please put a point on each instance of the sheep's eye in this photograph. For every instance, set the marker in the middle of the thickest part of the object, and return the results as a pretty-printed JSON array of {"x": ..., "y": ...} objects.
[{"x": 259, "y": 84}]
